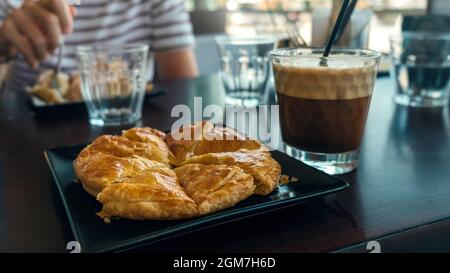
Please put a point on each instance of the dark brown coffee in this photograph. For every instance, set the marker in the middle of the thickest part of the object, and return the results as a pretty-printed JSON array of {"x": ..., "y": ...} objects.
[
  {"x": 324, "y": 109},
  {"x": 323, "y": 126}
]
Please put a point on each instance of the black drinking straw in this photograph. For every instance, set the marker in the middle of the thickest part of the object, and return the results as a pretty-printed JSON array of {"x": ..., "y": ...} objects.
[
  {"x": 337, "y": 26},
  {"x": 346, "y": 19}
]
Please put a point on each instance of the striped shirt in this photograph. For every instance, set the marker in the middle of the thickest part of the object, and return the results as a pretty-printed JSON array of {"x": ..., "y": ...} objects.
[{"x": 162, "y": 24}]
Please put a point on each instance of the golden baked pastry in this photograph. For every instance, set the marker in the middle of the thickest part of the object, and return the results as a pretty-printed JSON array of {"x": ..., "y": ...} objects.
[
  {"x": 258, "y": 163},
  {"x": 154, "y": 137},
  {"x": 74, "y": 93},
  {"x": 69, "y": 88},
  {"x": 45, "y": 80},
  {"x": 118, "y": 84},
  {"x": 182, "y": 142},
  {"x": 131, "y": 174},
  {"x": 99, "y": 170},
  {"x": 46, "y": 94},
  {"x": 147, "y": 195},
  {"x": 215, "y": 187},
  {"x": 202, "y": 138},
  {"x": 121, "y": 146}
]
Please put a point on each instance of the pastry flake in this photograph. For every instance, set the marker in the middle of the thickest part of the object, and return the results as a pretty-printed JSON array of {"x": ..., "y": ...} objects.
[
  {"x": 154, "y": 137},
  {"x": 99, "y": 170},
  {"x": 215, "y": 187},
  {"x": 121, "y": 146}
]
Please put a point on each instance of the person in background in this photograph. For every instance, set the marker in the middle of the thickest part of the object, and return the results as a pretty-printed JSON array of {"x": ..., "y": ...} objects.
[{"x": 30, "y": 32}]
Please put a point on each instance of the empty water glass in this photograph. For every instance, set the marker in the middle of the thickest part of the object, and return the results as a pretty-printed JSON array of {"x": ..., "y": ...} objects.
[
  {"x": 113, "y": 80},
  {"x": 245, "y": 69}
]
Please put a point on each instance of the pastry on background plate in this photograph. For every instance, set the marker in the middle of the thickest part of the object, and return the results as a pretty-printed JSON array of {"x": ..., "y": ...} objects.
[
  {"x": 69, "y": 88},
  {"x": 74, "y": 93},
  {"x": 46, "y": 94}
]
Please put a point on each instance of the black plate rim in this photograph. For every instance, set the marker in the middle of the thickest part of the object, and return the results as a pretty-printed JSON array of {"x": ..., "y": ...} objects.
[{"x": 215, "y": 219}]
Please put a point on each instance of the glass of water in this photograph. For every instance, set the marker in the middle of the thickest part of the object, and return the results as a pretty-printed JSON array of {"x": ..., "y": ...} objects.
[
  {"x": 245, "y": 69},
  {"x": 113, "y": 80},
  {"x": 421, "y": 68}
]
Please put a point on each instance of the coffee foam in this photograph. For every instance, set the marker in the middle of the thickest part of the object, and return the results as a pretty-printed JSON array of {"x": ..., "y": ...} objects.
[{"x": 338, "y": 82}]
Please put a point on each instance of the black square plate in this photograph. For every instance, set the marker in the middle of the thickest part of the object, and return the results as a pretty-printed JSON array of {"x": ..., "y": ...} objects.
[{"x": 96, "y": 236}]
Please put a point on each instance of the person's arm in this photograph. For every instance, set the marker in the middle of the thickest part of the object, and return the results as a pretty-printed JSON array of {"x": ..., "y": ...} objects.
[
  {"x": 35, "y": 30},
  {"x": 176, "y": 64},
  {"x": 172, "y": 40}
]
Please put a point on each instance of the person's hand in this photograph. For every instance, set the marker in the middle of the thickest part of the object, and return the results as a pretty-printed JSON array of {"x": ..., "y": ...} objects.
[{"x": 35, "y": 29}]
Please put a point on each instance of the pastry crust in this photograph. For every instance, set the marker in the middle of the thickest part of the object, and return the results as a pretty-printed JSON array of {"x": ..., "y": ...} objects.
[
  {"x": 258, "y": 163},
  {"x": 121, "y": 146},
  {"x": 151, "y": 136},
  {"x": 74, "y": 92},
  {"x": 47, "y": 94},
  {"x": 183, "y": 141},
  {"x": 99, "y": 170},
  {"x": 147, "y": 196},
  {"x": 45, "y": 80},
  {"x": 203, "y": 138},
  {"x": 215, "y": 187}
]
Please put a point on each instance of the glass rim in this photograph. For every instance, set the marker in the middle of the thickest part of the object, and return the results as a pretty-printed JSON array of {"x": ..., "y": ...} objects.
[
  {"x": 107, "y": 47},
  {"x": 421, "y": 34},
  {"x": 281, "y": 53}
]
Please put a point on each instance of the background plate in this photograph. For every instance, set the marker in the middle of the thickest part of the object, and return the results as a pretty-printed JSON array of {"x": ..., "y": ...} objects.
[
  {"x": 77, "y": 108},
  {"x": 96, "y": 236}
]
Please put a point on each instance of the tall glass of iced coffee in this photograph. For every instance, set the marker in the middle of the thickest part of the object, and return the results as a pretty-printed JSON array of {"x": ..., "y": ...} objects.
[{"x": 324, "y": 104}]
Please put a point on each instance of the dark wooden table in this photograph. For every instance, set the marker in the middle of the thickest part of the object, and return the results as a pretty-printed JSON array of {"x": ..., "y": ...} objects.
[{"x": 400, "y": 195}]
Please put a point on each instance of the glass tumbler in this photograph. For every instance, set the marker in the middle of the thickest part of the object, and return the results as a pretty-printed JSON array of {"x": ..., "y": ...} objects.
[
  {"x": 324, "y": 102},
  {"x": 245, "y": 69},
  {"x": 113, "y": 80},
  {"x": 421, "y": 68}
]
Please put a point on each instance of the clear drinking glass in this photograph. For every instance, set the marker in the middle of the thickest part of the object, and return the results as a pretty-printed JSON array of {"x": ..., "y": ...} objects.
[
  {"x": 245, "y": 69},
  {"x": 113, "y": 80},
  {"x": 421, "y": 68},
  {"x": 324, "y": 107}
]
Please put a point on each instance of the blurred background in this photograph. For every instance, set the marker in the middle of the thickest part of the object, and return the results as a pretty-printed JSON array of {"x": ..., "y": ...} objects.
[
  {"x": 249, "y": 17},
  {"x": 243, "y": 17}
]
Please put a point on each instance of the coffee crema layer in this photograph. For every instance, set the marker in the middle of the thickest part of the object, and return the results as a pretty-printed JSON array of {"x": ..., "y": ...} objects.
[{"x": 324, "y": 83}]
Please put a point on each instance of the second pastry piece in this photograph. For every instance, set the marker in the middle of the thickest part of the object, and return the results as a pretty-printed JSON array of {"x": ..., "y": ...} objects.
[
  {"x": 132, "y": 143},
  {"x": 203, "y": 137},
  {"x": 258, "y": 163},
  {"x": 215, "y": 187},
  {"x": 153, "y": 137},
  {"x": 98, "y": 171},
  {"x": 154, "y": 195}
]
